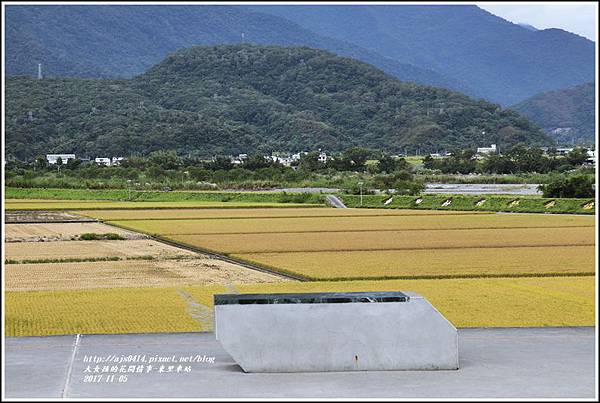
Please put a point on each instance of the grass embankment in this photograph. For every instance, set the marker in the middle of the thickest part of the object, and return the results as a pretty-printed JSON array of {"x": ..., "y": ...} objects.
[
  {"x": 28, "y": 199},
  {"x": 505, "y": 302},
  {"x": 173, "y": 196},
  {"x": 514, "y": 204}
]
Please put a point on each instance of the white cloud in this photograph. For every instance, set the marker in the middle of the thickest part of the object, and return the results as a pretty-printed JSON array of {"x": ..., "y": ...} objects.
[{"x": 579, "y": 18}]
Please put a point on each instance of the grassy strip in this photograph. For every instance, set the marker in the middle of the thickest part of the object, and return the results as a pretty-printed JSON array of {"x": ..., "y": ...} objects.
[
  {"x": 95, "y": 259},
  {"x": 92, "y": 236},
  {"x": 514, "y": 204},
  {"x": 174, "y": 196},
  {"x": 81, "y": 260}
]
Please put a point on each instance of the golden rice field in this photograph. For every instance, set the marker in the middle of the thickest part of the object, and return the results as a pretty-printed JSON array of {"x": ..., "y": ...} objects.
[
  {"x": 359, "y": 223},
  {"x": 429, "y": 263},
  {"x": 374, "y": 246},
  {"x": 187, "y": 214},
  {"x": 389, "y": 240},
  {"x": 19, "y": 251},
  {"x": 40, "y": 204},
  {"x": 433, "y": 253},
  {"x": 136, "y": 273},
  {"x": 506, "y": 302}
]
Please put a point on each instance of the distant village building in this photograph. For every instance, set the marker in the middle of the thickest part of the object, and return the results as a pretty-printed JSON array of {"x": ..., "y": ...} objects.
[
  {"x": 487, "y": 150},
  {"x": 563, "y": 150},
  {"x": 591, "y": 157},
  {"x": 117, "y": 160},
  {"x": 108, "y": 161},
  {"x": 297, "y": 156},
  {"x": 102, "y": 161},
  {"x": 322, "y": 157},
  {"x": 239, "y": 159},
  {"x": 53, "y": 158}
]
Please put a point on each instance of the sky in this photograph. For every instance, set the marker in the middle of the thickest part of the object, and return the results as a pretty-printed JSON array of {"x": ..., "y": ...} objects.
[{"x": 577, "y": 17}]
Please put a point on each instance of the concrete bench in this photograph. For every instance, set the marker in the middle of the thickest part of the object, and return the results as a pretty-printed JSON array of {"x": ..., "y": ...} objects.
[{"x": 334, "y": 332}]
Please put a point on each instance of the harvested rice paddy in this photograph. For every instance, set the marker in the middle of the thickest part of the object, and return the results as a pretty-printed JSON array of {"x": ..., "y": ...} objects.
[
  {"x": 44, "y": 232},
  {"x": 142, "y": 273},
  {"x": 19, "y": 251}
]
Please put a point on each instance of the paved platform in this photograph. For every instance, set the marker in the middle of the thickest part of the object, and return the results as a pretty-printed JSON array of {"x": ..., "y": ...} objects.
[{"x": 498, "y": 363}]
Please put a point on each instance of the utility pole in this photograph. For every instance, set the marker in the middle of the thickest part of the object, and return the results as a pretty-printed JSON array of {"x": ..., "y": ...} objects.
[{"x": 360, "y": 184}]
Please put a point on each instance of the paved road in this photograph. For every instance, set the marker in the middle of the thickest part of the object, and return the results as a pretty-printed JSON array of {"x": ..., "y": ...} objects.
[
  {"x": 477, "y": 189},
  {"x": 535, "y": 363},
  {"x": 335, "y": 201}
]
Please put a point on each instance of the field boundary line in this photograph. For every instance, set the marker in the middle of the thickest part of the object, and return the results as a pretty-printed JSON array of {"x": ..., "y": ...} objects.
[
  {"x": 284, "y": 217},
  {"x": 70, "y": 367},
  {"x": 239, "y": 262},
  {"x": 364, "y": 230},
  {"x": 407, "y": 249}
]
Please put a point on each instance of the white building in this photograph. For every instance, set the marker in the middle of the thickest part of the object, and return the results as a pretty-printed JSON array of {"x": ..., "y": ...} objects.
[
  {"x": 102, "y": 161},
  {"x": 563, "y": 150},
  {"x": 53, "y": 158},
  {"x": 487, "y": 150},
  {"x": 591, "y": 157},
  {"x": 322, "y": 157},
  {"x": 296, "y": 157},
  {"x": 116, "y": 160}
]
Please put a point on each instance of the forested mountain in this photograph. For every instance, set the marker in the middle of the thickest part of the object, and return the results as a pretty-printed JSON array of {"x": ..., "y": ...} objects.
[
  {"x": 458, "y": 47},
  {"x": 208, "y": 100},
  {"x": 568, "y": 115},
  {"x": 501, "y": 61},
  {"x": 123, "y": 41}
]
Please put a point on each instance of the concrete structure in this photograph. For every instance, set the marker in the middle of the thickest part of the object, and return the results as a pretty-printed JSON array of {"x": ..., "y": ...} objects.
[
  {"x": 498, "y": 363},
  {"x": 334, "y": 332},
  {"x": 53, "y": 158}
]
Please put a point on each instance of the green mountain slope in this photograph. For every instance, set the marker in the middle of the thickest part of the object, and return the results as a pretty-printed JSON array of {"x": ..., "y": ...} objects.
[
  {"x": 568, "y": 115},
  {"x": 244, "y": 98}
]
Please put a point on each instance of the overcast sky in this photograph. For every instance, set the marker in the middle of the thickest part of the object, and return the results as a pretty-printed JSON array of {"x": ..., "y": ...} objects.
[{"x": 577, "y": 17}]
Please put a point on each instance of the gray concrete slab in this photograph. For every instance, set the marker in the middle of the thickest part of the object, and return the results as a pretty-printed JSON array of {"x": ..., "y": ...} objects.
[{"x": 501, "y": 363}]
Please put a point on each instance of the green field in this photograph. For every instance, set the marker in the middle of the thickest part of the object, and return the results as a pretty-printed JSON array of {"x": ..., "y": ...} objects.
[
  {"x": 156, "y": 196},
  {"x": 33, "y": 204},
  {"x": 503, "y": 203}
]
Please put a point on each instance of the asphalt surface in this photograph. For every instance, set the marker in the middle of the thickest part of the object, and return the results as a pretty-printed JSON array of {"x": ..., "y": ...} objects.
[
  {"x": 335, "y": 201},
  {"x": 495, "y": 363},
  {"x": 480, "y": 189}
]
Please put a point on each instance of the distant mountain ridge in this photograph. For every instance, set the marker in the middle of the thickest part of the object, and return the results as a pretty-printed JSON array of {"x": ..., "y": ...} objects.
[
  {"x": 231, "y": 99},
  {"x": 502, "y": 61},
  {"x": 462, "y": 48},
  {"x": 123, "y": 41},
  {"x": 568, "y": 115}
]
